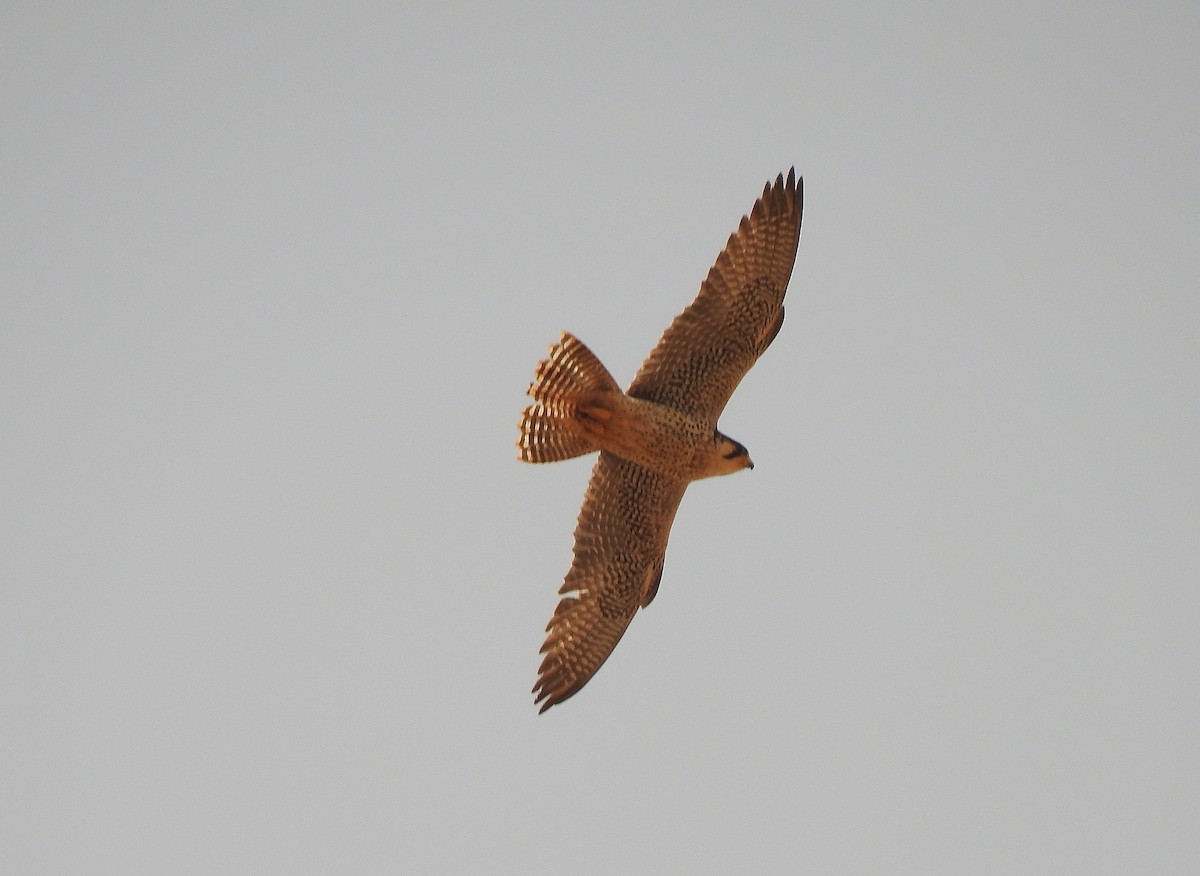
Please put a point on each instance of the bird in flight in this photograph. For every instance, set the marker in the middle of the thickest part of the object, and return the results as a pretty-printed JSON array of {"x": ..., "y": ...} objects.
[{"x": 655, "y": 438}]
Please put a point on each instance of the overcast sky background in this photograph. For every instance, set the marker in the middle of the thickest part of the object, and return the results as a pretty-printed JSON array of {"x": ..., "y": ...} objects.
[{"x": 275, "y": 278}]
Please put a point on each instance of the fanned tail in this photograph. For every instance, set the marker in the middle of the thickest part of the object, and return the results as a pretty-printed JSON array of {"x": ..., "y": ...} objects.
[{"x": 573, "y": 396}]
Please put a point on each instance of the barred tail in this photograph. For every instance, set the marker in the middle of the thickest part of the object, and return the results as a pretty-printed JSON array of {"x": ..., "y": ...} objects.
[{"x": 573, "y": 400}]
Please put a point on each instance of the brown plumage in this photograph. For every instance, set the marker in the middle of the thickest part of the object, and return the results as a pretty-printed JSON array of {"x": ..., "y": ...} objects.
[{"x": 654, "y": 439}]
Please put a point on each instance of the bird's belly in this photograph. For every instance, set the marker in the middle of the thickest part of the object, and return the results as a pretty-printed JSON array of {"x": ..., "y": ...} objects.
[{"x": 662, "y": 439}]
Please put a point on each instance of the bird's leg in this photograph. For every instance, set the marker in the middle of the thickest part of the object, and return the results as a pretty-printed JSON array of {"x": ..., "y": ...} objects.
[{"x": 593, "y": 418}]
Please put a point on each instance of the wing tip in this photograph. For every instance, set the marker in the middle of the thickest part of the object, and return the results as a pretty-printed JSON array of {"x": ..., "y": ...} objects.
[
  {"x": 551, "y": 688},
  {"x": 780, "y": 197}
]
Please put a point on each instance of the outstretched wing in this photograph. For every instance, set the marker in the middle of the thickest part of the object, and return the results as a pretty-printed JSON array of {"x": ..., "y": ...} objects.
[
  {"x": 620, "y": 542},
  {"x": 708, "y": 349}
]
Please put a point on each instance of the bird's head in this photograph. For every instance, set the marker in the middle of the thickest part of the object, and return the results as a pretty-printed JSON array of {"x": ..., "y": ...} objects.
[{"x": 729, "y": 456}]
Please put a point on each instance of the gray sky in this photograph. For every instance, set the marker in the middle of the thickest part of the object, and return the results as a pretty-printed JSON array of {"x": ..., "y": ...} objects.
[{"x": 273, "y": 583}]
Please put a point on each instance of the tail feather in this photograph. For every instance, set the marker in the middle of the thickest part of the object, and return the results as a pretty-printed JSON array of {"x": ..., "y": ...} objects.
[{"x": 572, "y": 395}]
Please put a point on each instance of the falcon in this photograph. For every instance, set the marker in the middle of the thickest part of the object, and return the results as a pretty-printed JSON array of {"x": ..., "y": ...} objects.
[{"x": 655, "y": 438}]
